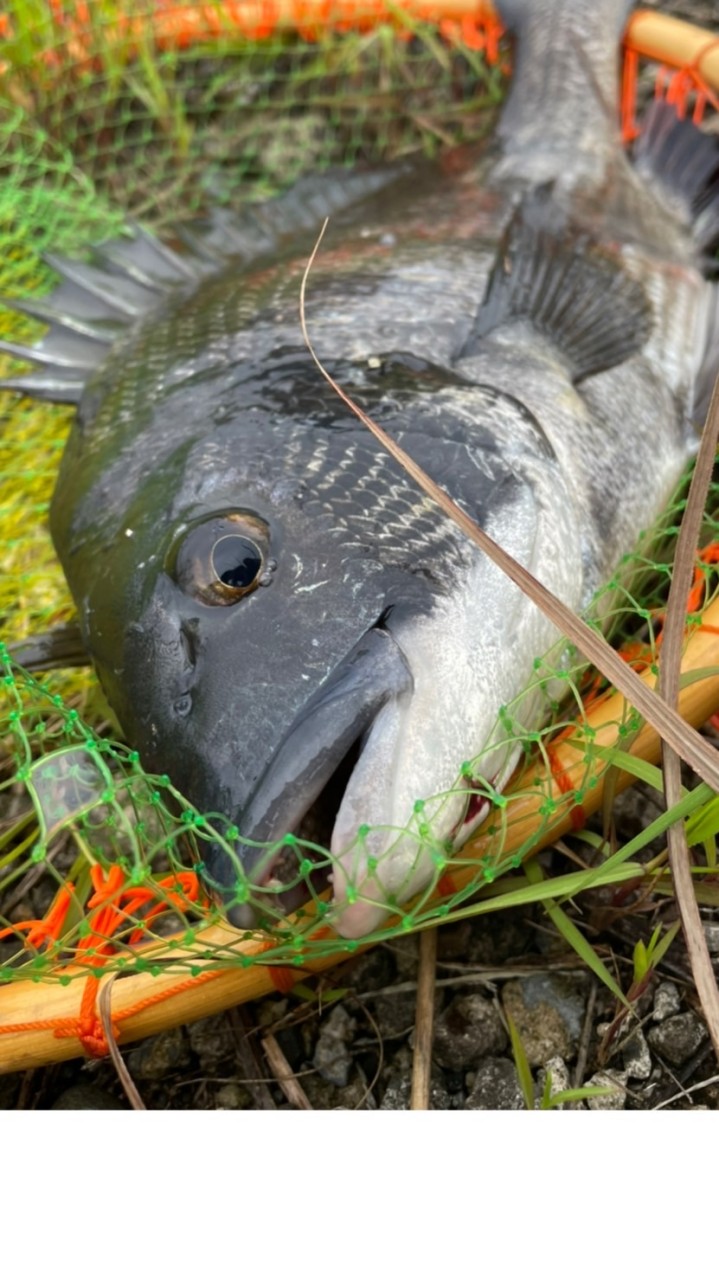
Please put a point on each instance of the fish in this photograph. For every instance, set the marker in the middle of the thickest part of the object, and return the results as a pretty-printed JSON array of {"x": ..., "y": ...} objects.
[{"x": 282, "y": 621}]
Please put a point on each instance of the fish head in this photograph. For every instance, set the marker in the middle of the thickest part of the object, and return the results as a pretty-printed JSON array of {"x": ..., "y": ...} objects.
[
  {"x": 243, "y": 607},
  {"x": 287, "y": 627},
  {"x": 252, "y": 673}
]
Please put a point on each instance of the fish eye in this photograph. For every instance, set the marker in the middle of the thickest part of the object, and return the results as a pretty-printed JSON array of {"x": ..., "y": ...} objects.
[
  {"x": 236, "y": 561},
  {"x": 223, "y": 559}
]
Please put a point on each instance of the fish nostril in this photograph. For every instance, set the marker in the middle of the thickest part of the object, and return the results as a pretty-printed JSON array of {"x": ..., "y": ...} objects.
[{"x": 188, "y": 641}]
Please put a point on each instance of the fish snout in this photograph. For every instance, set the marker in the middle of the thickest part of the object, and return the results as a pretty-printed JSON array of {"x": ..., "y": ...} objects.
[{"x": 299, "y": 792}]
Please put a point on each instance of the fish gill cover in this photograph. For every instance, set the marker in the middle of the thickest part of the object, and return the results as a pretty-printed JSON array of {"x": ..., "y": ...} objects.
[{"x": 157, "y": 112}]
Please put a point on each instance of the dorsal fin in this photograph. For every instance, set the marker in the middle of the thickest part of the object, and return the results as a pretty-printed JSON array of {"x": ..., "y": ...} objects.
[
  {"x": 91, "y": 307},
  {"x": 550, "y": 274},
  {"x": 125, "y": 279}
]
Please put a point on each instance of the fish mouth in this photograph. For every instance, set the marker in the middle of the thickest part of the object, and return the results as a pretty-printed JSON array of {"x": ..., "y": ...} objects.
[
  {"x": 301, "y": 790},
  {"x": 284, "y": 881}
]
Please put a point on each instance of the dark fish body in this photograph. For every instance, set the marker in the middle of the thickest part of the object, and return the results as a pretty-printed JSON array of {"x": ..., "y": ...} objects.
[{"x": 262, "y": 590}]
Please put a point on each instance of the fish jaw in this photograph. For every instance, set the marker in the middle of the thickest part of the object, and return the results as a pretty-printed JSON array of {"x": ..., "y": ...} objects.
[
  {"x": 406, "y": 802},
  {"x": 373, "y": 676}
]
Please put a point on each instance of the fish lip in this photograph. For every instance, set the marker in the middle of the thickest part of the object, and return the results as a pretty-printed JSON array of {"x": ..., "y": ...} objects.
[{"x": 335, "y": 719}]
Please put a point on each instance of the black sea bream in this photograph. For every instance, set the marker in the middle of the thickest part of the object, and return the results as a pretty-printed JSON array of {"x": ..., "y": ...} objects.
[{"x": 282, "y": 622}]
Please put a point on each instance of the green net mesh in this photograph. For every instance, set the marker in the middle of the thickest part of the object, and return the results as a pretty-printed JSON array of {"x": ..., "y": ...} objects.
[{"x": 102, "y": 119}]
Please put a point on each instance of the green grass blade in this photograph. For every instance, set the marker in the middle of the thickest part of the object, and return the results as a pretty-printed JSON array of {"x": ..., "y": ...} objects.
[
  {"x": 573, "y": 936},
  {"x": 581, "y": 1095},
  {"x": 524, "y": 1074}
]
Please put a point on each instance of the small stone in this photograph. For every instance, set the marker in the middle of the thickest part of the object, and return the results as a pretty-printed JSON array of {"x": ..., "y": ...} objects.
[
  {"x": 396, "y": 1095},
  {"x": 396, "y": 1085},
  {"x": 397, "y": 1077},
  {"x": 395, "y": 1014},
  {"x": 213, "y": 1042},
  {"x": 232, "y": 1097},
  {"x": 614, "y": 1101},
  {"x": 709, "y": 1096},
  {"x": 667, "y": 1001},
  {"x": 332, "y": 1057},
  {"x": 355, "y": 1097},
  {"x": 322, "y": 1095},
  {"x": 547, "y": 1010},
  {"x": 711, "y": 933},
  {"x": 160, "y": 1056},
  {"x": 559, "y": 1080},
  {"x": 440, "y": 1099},
  {"x": 678, "y": 1038},
  {"x": 325, "y": 1096},
  {"x": 468, "y": 1030},
  {"x": 268, "y": 1012},
  {"x": 496, "y": 1087},
  {"x": 369, "y": 972},
  {"x": 86, "y": 1097},
  {"x": 636, "y": 1057}
]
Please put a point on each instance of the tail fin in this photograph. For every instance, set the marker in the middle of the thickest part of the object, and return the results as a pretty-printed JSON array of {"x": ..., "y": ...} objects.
[
  {"x": 684, "y": 162},
  {"x": 561, "y": 112}
]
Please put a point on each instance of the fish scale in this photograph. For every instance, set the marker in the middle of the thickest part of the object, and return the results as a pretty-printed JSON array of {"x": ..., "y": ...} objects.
[{"x": 282, "y": 622}]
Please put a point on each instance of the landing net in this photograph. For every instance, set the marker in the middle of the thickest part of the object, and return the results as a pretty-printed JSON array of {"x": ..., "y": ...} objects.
[{"x": 154, "y": 112}]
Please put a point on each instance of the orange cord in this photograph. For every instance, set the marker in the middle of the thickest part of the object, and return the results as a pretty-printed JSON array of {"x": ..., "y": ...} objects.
[
  {"x": 87, "y": 1025},
  {"x": 173, "y": 26},
  {"x": 628, "y": 99},
  {"x": 482, "y": 35},
  {"x": 111, "y": 906},
  {"x": 176, "y": 26},
  {"x": 677, "y": 87},
  {"x": 48, "y": 929}
]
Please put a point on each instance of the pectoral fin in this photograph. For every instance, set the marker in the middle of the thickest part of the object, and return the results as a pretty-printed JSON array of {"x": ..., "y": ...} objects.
[{"x": 60, "y": 647}]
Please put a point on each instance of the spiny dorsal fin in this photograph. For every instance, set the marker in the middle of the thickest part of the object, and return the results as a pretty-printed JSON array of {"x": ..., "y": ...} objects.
[
  {"x": 550, "y": 274},
  {"x": 92, "y": 306},
  {"x": 97, "y": 301}
]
